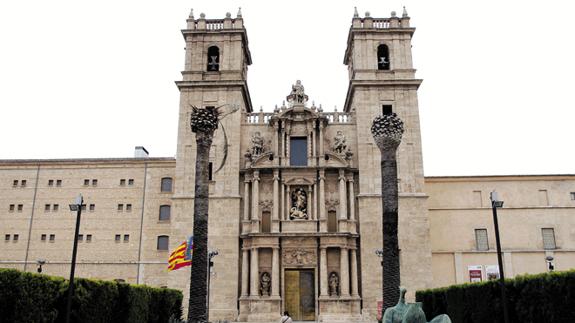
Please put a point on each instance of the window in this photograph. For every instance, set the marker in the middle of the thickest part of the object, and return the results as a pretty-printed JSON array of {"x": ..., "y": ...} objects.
[
  {"x": 266, "y": 221},
  {"x": 80, "y": 237},
  {"x": 92, "y": 207},
  {"x": 383, "y": 57},
  {"x": 165, "y": 212},
  {"x": 210, "y": 167},
  {"x": 52, "y": 237},
  {"x": 131, "y": 182},
  {"x": 122, "y": 182},
  {"x": 23, "y": 183},
  {"x": 387, "y": 109},
  {"x": 126, "y": 237},
  {"x": 163, "y": 242},
  {"x": 120, "y": 207},
  {"x": 12, "y": 207},
  {"x": 7, "y": 237},
  {"x": 94, "y": 182},
  {"x": 55, "y": 207},
  {"x": 481, "y": 243},
  {"x": 15, "y": 183},
  {"x": 128, "y": 207},
  {"x": 573, "y": 196},
  {"x": 43, "y": 237},
  {"x": 15, "y": 237},
  {"x": 20, "y": 207},
  {"x": 118, "y": 237},
  {"x": 331, "y": 221},
  {"x": 298, "y": 151},
  {"x": 88, "y": 238},
  {"x": 46, "y": 207},
  {"x": 166, "y": 184},
  {"x": 213, "y": 59},
  {"x": 50, "y": 182},
  {"x": 86, "y": 182},
  {"x": 58, "y": 182},
  {"x": 548, "y": 238},
  {"x": 83, "y": 207}
]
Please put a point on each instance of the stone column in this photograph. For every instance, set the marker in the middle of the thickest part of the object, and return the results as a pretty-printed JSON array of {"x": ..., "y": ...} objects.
[
  {"x": 283, "y": 197},
  {"x": 322, "y": 215},
  {"x": 246, "y": 199},
  {"x": 275, "y": 272},
  {"x": 310, "y": 213},
  {"x": 309, "y": 154},
  {"x": 344, "y": 272},
  {"x": 255, "y": 275},
  {"x": 314, "y": 207},
  {"x": 245, "y": 272},
  {"x": 275, "y": 142},
  {"x": 275, "y": 210},
  {"x": 256, "y": 201},
  {"x": 323, "y": 271},
  {"x": 342, "y": 196},
  {"x": 313, "y": 143},
  {"x": 351, "y": 200},
  {"x": 321, "y": 152},
  {"x": 354, "y": 291}
]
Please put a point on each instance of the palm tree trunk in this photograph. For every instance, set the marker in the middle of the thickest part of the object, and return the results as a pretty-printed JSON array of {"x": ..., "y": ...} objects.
[
  {"x": 389, "y": 193},
  {"x": 197, "y": 310}
]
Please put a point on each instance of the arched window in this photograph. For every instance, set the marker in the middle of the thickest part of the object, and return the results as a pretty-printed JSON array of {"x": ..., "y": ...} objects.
[
  {"x": 166, "y": 184},
  {"x": 213, "y": 59},
  {"x": 163, "y": 242},
  {"x": 165, "y": 212},
  {"x": 382, "y": 57}
]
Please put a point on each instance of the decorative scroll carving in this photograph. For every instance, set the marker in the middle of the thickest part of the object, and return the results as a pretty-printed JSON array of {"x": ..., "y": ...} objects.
[
  {"x": 266, "y": 205},
  {"x": 265, "y": 284},
  {"x": 331, "y": 204},
  {"x": 333, "y": 284},
  {"x": 299, "y": 204},
  {"x": 299, "y": 257}
]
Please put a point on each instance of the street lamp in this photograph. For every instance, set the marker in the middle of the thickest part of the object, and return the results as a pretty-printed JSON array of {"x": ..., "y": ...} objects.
[
  {"x": 379, "y": 253},
  {"x": 550, "y": 265},
  {"x": 211, "y": 255},
  {"x": 77, "y": 206},
  {"x": 497, "y": 203},
  {"x": 40, "y": 262}
]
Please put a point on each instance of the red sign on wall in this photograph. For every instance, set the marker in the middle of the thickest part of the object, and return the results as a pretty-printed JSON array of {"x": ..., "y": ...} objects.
[{"x": 379, "y": 310}]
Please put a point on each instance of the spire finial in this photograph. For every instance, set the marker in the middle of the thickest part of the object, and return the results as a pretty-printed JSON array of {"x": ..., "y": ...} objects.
[
  {"x": 404, "y": 14},
  {"x": 192, "y": 13},
  {"x": 261, "y": 108},
  {"x": 393, "y": 14},
  {"x": 367, "y": 14},
  {"x": 239, "y": 15},
  {"x": 202, "y": 15},
  {"x": 228, "y": 15},
  {"x": 355, "y": 13}
]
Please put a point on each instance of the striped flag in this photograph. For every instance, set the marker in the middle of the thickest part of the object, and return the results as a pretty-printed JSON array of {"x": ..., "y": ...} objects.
[{"x": 182, "y": 255}]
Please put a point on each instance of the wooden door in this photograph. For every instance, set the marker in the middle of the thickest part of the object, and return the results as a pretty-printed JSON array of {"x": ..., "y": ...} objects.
[{"x": 300, "y": 294}]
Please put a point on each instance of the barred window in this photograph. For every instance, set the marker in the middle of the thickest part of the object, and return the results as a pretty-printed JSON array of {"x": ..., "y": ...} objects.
[
  {"x": 166, "y": 184},
  {"x": 165, "y": 211},
  {"x": 548, "y": 238},
  {"x": 481, "y": 242},
  {"x": 163, "y": 242}
]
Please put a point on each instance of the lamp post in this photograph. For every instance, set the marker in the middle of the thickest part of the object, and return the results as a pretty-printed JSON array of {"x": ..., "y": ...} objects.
[
  {"x": 211, "y": 255},
  {"x": 77, "y": 206},
  {"x": 497, "y": 203},
  {"x": 40, "y": 262}
]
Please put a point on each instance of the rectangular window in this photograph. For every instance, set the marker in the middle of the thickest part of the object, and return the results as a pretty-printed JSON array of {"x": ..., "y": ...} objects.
[
  {"x": 50, "y": 182},
  {"x": 55, "y": 207},
  {"x": 548, "y": 238},
  {"x": 46, "y": 207},
  {"x": 83, "y": 207},
  {"x": 386, "y": 109},
  {"x": 15, "y": 237},
  {"x": 23, "y": 183},
  {"x": 210, "y": 167},
  {"x": 15, "y": 183},
  {"x": 122, "y": 182},
  {"x": 481, "y": 243},
  {"x": 120, "y": 207},
  {"x": 118, "y": 237},
  {"x": 86, "y": 182},
  {"x": 12, "y": 207},
  {"x": 94, "y": 182},
  {"x": 7, "y": 237},
  {"x": 52, "y": 237},
  {"x": 126, "y": 237},
  {"x": 92, "y": 207},
  {"x": 88, "y": 237},
  {"x": 131, "y": 182},
  {"x": 80, "y": 237},
  {"x": 572, "y": 196},
  {"x": 298, "y": 151},
  {"x": 128, "y": 207},
  {"x": 20, "y": 207},
  {"x": 58, "y": 182},
  {"x": 43, "y": 237}
]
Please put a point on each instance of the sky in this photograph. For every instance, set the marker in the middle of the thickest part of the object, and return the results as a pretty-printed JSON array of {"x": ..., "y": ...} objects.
[{"x": 83, "y": 79}]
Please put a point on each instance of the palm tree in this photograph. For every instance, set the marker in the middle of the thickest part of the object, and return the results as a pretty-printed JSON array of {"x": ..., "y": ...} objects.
[
  {"x": 387, "y": 131},
  {"x": 204, "y": 122}
]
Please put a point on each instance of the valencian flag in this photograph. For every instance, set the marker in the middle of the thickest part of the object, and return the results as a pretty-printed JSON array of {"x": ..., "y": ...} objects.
[{"x": 182, "y": 255}]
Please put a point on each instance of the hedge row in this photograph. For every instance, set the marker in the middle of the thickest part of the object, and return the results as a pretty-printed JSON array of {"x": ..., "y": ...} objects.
[
  {"x": 28, "y": 297},
  {"x": 545, "y": 298}
]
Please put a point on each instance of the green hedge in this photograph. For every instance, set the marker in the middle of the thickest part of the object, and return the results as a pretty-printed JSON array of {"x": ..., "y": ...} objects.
[
  {"x": 544, "y": 298},
  {"x": 28, "y": 297}
]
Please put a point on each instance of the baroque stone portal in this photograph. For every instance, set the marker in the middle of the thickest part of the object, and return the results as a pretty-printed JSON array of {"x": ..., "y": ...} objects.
[{"x": 299, "y": 204}]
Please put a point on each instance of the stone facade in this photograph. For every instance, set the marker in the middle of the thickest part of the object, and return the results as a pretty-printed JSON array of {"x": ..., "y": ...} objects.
[{"x": 295, "y": 194}]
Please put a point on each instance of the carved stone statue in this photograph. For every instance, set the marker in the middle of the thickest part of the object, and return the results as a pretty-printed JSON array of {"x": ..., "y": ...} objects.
[
  {"x": 265, "y": 284},
  {"x": 257, "y": 144},
  {"x": 409, "y": 313},
  {"x": 299, "y": 204},
  {"x": 333, "y": 284},
  {"x": 339, "y": 144},
  {"x": 297, "y": 94}
]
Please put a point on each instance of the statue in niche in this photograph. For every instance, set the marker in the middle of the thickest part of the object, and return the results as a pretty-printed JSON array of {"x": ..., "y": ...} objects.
[
  {"x": 333, "y": 284},
  {"x": 339, "y": 144},
  {"x": 257, "y": 144},
  {"x": 265, "y": 284},
  {"x": 299, "y": 204}
]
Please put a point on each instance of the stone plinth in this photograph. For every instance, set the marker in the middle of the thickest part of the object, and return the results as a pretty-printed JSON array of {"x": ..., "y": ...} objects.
[
  {"x": 260, "y": 308},
  {"x": 299, "y": 226}
]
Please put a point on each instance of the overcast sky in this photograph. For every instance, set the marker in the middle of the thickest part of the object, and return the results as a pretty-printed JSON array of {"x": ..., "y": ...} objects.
[{"x": 94, "y": 79}]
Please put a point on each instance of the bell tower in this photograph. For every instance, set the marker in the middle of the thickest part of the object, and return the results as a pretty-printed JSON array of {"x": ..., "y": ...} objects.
[
  {"x": 215, "y": 75},
  {"x": 381, "y": 81}
]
